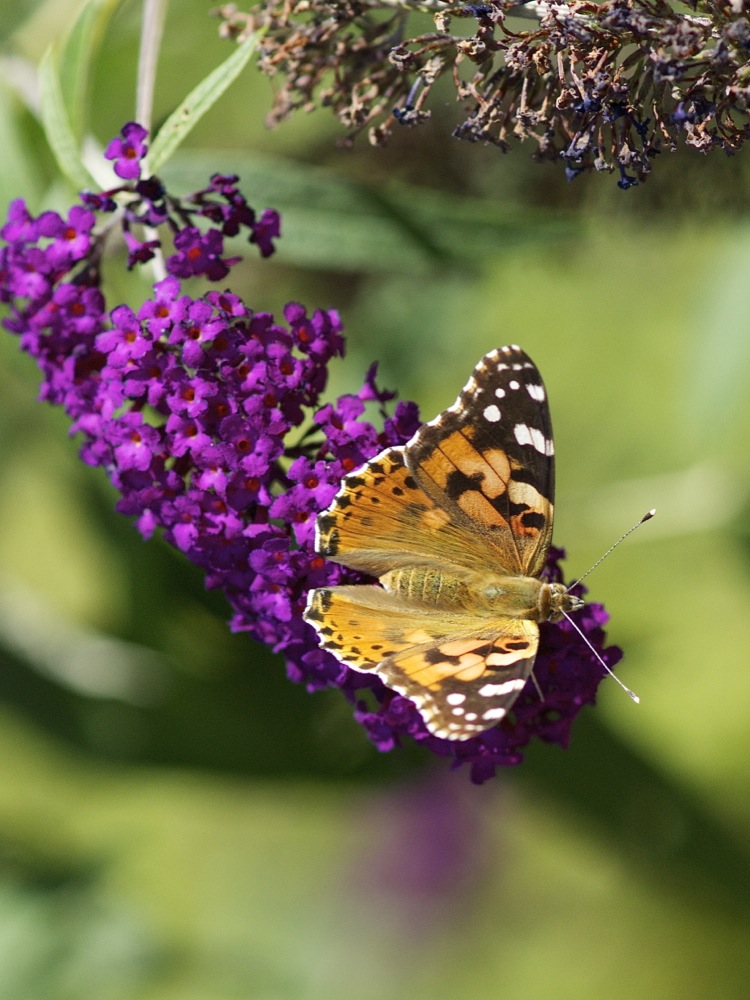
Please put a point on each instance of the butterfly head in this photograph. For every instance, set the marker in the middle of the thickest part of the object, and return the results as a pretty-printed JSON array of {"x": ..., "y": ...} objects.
[{"x": 556, "y": 602}]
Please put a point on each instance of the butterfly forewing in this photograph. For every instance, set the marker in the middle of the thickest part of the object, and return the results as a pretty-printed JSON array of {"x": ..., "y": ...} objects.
[
  {"x": 488, "y": 460},
  {"x": 382, "y": 520}
]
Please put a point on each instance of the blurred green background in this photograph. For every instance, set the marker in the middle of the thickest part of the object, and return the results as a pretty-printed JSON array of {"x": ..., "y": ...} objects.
[{"x": 177, "y": 820}]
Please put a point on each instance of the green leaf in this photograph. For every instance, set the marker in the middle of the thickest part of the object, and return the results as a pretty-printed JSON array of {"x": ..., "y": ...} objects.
[
  {"x": 197, "y": 103},
  {"x": 81, "y": 45},
  {"x": 333, "y": 222},
  {"x": 57, "y": 127}
]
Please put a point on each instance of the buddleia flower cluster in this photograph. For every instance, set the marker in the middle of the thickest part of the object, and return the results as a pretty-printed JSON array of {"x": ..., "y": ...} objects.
[
  {"x": 207, "y": 416},
  {"x": 596, "y": 86}
]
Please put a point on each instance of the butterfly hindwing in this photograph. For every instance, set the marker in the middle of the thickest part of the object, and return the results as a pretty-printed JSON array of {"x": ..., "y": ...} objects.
[{"x": 462, "y": 671}]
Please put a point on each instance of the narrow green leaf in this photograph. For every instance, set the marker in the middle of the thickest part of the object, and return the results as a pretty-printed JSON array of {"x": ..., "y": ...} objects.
[
  {"x": 22, "y": 171},
  {"x": 81, "y": 45},
  {"x": 333, "y": 222},
  {"x": 56, "y": 124},
  {"x": 197, "y": 103}
]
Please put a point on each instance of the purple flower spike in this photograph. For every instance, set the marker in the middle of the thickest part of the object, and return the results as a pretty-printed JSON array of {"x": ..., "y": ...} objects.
[
  {"x": 207, "y": 417},
  {"x": 128, "y": 151}
]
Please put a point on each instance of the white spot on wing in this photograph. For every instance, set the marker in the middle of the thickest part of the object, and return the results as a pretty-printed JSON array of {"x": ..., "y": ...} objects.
[
  {"x": 492, "y": 413},
  {"x": 536, "y": 392},
  {"x": 500, "y": 393},
  {"x": 533, "y": 436},
  {"x": 513, "y": 384},
  {"x": 309, "y": 604},
  {"x": 506, "y": 687},
  {"x": 495, "y": 713},
  {"x": 455, "y": 698}
]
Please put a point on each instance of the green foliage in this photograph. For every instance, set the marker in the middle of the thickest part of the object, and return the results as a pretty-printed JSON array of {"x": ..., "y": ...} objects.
[{"x": 198, "y": 102}]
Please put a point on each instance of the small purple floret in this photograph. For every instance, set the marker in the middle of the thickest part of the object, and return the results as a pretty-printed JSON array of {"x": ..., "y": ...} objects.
[{"x": 127, "y": 150}]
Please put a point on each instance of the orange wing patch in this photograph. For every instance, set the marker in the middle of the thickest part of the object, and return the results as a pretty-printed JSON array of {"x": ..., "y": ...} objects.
[{"x": 382, "y": 520}]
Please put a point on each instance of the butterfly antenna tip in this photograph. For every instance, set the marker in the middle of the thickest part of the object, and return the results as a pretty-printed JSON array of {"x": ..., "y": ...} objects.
[{"x": 612, "y": 674}]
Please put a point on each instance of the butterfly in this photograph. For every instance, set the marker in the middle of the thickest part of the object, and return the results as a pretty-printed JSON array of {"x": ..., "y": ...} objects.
[{"x": 456, "y": 525}]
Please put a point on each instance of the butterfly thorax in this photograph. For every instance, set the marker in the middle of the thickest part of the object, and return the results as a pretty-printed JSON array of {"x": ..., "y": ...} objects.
[{"x": 494, "y": 595}]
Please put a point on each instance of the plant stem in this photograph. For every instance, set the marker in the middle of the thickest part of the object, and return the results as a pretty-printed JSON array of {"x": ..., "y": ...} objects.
[{"x": 154, "y": 14}]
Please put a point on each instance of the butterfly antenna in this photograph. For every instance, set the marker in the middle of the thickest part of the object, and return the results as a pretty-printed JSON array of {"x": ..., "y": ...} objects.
[
  {"x": 611, "y": 673},
  {"x": 646, "y": 517},
  {"x": 536, "y": 685}
]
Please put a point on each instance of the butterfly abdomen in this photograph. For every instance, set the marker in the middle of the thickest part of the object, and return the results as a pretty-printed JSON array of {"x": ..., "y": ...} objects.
[
  {"x": 428, "y": 586},
  {"x": 504, "y": 596}
]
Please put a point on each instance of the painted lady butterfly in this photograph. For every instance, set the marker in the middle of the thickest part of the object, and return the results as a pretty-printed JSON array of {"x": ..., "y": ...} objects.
[{"x": 456, "y": 524}]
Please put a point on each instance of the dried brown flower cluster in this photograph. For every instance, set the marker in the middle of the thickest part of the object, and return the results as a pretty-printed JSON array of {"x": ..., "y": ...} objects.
[{"x": 596, "y": 85}]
